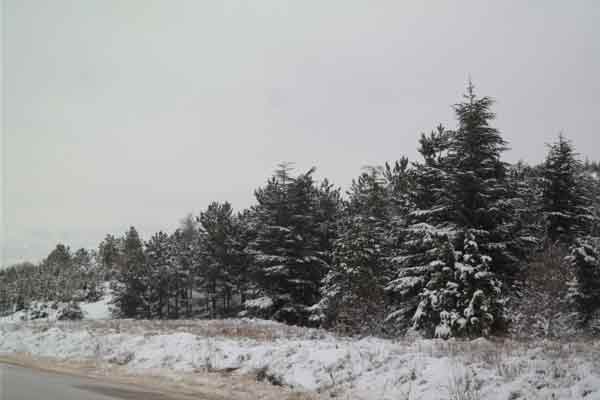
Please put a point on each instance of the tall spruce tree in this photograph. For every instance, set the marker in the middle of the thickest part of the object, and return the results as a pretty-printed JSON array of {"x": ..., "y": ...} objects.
[
  {"x": 352, "y": 291},
  {"x": 584, "y": 289},
  {"x": 222, "y": 255},
  {"x": 188, "y": 254},
  {"x": 129, "y": 286},
  {"x": 158, "y": 277},
  {"x": 288, "y": 263},
  {"x": 565, "y": 203},
  {"x": 422, "y": 252},
  {"x": 109, "y": 253},
  {"x": 460, "y": 193}
]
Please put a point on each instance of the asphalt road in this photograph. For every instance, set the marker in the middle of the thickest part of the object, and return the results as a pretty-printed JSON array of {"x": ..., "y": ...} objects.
[{"x": 17, "y": 383}]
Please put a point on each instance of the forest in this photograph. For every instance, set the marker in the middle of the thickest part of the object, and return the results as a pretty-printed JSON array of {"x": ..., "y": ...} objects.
[{"x": 456, "y": 244}]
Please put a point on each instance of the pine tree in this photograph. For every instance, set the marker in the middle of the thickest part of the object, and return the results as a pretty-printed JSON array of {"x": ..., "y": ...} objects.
[
  {"x": 86, "y": 267},
  {"x": 460, "y": 190},
  {"x": 328, "y": 209},
  {"x": 566, "y": 206},
  {"x": 480, "y": 305},
  {"x": 399, "y": 183},
  {"x": 221, "y": 254},
  {"x": 128, "y": 287},
  {"x": 423, "y": 258},
  {"x": 287, "y": 259},
  {"x": 584, "y": 289},
  {"x": 478, "y": 188},
  {"x": 188, "y": 258},
  {"x": 59, "y": 281},
  {"x": 109, "y": 253},
  {"x": 158, "y": 277},
  {"x": 422, "y": 237},
  {"x": 429, "y": 195},
  {"x": 525, "y": 224},
  {"x": 352, "y": 291}
]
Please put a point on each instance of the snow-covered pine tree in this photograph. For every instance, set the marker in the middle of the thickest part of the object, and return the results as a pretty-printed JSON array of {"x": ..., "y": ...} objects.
[
  {"x": 461, "y": 187},
  {"x": 478, "y": 188},
  {"x": 222, "y": 257},
  {"x": 86, "y": 266},
  {"x": 422, "y": 237},
  {"x": 352, "y": 291},
  {"x": 430, "y": 177},
  {"x": 399, "y": 183},
  {"x": 128, "y": 286},
  {"x": 481, "y": 207},
  {"x": 424, "y": 258},
  {"x": 584, "y": 289},
  {"x": 6, "y": 297},
  {"x": 158, "y": 277},
  {"x": 109, "y": 252},
  {"x": 328, "y": 211},
  {"x": 479, "y": 308},
  {"x": 525, "y": 224},
  {"x": 188, "y": 259},
  {"x": 565, "y": 203},
  {"x": 58, "y": 266},
  {"x": 288, "y": 265}
]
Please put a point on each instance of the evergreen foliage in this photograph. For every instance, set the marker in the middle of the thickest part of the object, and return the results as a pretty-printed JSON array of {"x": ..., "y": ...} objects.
[
  {"x": 460, "y": 187},
  {"x": 352, "y": 292},
  {"x": 566, "y": 206},
  {"x": 129, "y": 284},
  {"x": 454, "y": 245},
  {"x": 288, "y": 263},
  {"x": 584, "y": 289}
]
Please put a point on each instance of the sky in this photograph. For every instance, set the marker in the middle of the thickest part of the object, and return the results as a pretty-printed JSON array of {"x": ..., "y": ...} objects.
[{"x": 137, "y": 112}]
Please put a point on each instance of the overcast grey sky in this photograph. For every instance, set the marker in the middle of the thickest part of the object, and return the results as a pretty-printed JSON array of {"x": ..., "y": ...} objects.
[{"x": 126, "y": 112}]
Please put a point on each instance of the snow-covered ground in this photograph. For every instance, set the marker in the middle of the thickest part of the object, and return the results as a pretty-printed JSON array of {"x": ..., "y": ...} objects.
[
  {"x": 320, "y": 363},
  {"x": 96, "y": 310},
  {"x": 50, "y": 311}
]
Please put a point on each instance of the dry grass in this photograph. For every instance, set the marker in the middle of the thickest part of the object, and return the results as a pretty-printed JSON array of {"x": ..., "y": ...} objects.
[{"x": 464, "y": 385}]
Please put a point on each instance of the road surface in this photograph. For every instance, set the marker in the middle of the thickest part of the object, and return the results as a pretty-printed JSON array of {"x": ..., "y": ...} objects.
[{"x": 18, "y": 383}]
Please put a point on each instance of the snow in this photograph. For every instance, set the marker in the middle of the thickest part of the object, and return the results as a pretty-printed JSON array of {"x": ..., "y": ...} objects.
[
  {"x": 261, "y": 303},
  {"x": 97, "y": 310},
  {"x": 318, "y": 362}
]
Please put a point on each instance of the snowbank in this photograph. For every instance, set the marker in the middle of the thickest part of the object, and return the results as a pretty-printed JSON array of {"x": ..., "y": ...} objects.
[
  {"x": 368, "y": 368},
  {"x": 97, "y": 310}
]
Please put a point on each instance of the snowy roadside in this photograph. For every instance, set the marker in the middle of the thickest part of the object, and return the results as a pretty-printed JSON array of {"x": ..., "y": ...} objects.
[{"x": 318, "y": 363}]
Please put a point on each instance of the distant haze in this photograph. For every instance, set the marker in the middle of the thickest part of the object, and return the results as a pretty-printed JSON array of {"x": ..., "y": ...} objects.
[{"x": 121, "y": 113}]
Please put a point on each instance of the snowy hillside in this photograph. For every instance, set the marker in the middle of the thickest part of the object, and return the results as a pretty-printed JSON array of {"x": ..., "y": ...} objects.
[
  {"x": 322, "y": 364},
  {"x": 53, "y": 311}
]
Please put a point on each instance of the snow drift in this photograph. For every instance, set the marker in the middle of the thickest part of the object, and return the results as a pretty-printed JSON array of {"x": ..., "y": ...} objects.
[{"x": 318, "y": 362}]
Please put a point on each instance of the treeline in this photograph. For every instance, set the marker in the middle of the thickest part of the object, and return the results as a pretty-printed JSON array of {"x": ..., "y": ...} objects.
[
  {"x": 63, "y": 276},
  {"x": 457, "y": 244}
]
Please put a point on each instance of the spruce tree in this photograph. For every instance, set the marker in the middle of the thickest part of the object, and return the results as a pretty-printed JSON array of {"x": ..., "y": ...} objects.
[
  {"x": 565, "y": 204},
  {"x": 221, "y": 256},
  {"x": 421, "y": 262},
  {"x": 158, "y": 277},
  {"x": 288, "y": 263},
  {"x": 109, "y": 253},
  {"x": 584, "y": 289},
  {"x": 429, "y": 194},
  {"x": 477, "y": 188},
  {"x": 422, "y": 238},
  {"x": 460, "y": 191},
  {"x": 129, "y": 286},
  {"x": 352, "y": 291},
  {"x": 188, "y": 259}
]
